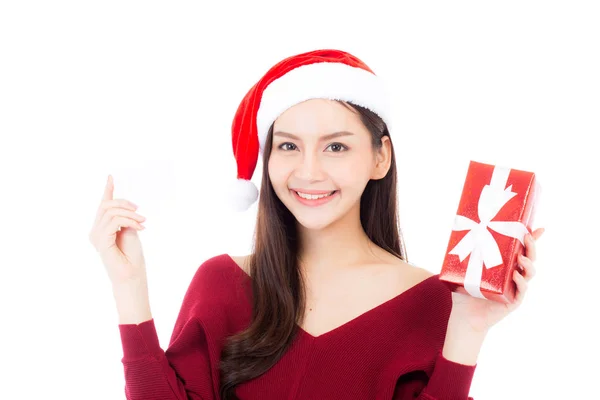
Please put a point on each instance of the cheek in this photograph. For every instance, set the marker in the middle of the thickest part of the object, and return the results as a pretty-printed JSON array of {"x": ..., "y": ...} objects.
[
  {"x": 350, "y": 174},
  {"x": 278, "y": 173}
]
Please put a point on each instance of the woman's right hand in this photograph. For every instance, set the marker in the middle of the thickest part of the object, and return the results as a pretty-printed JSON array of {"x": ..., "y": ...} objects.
[{"x": 114, "y": 235}]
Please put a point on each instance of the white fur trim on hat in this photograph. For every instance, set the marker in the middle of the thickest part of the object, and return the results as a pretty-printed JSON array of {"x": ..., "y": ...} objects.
[{"x": 330, "y": 80}]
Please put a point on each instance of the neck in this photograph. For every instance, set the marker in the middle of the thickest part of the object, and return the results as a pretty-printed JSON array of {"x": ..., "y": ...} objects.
[{"x": 337, "y": 247}]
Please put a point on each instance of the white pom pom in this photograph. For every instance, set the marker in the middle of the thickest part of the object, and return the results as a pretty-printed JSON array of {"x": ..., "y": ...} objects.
[{"x": 242, "y": 194}]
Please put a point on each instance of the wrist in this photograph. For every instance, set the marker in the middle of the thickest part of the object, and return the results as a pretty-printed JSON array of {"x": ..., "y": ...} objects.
[
  {"x": 133, "y": 282},
  {"x": 462, "y": 344},
  {"x": 132, "y": 301}
]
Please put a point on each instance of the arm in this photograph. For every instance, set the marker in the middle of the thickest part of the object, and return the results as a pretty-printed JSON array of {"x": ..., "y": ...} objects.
[
  {"x": 449, "y": 381},
  {"x": 455, "y": 364},
  {"x": 180, "y": 373},
  {"x": 183, "y": 370}
]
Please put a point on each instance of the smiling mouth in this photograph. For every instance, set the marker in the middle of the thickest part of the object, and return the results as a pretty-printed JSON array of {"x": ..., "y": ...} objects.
[
  {"x": 307, "y": 196},
  {"x": 316, "y": 201}
]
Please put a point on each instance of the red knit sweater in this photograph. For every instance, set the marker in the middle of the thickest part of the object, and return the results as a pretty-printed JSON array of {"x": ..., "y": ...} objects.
[{"x": 392, "y": 351}]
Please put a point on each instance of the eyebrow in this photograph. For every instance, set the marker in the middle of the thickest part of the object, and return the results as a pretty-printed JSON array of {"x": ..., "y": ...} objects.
[{"x": 324, "y": 137}]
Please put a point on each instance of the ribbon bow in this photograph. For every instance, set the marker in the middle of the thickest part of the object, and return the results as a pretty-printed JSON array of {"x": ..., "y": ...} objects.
[{"x": 479, "y": 242}]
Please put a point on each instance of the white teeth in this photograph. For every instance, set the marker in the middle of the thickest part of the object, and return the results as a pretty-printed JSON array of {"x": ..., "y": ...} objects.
[{"x": 313, "y": 196}]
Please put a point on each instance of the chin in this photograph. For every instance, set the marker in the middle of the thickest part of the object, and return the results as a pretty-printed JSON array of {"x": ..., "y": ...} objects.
[
  {"x": 316, "y": 221},
  {"x": 313, "y": 223}
]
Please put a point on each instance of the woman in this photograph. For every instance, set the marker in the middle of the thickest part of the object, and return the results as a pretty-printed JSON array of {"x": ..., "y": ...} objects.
[{"x": 327, "y": 305}]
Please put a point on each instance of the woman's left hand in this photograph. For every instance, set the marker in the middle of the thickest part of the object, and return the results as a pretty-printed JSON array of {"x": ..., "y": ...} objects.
[{"x": 482, "y": 314}]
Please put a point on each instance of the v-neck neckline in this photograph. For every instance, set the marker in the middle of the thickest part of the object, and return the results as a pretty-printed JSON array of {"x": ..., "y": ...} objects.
[{"x": 359, "y": 317}]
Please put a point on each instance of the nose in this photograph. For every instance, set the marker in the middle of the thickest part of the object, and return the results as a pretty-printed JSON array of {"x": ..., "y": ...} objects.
[{"x": 309, "y": 169}]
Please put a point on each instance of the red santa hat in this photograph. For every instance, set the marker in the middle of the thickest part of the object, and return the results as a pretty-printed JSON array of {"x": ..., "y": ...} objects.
[{"x": 328, "y": 74}]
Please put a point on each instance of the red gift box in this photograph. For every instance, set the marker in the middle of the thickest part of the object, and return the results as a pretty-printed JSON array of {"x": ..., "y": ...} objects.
[{"x": 496, "y": 210}]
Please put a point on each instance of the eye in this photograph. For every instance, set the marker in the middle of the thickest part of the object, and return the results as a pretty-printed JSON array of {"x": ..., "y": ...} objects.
[
  {"x": 283, "y": 144},
  {"x": 332, "y": 145},
  {"x": 340, "y": 145}
]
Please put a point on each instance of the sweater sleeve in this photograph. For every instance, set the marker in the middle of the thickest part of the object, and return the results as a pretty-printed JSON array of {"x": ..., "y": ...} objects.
[
  {"x": 188, "y": 369},
  {"x": 449, "y": 381},
  {"x": 182, "y": 372}
]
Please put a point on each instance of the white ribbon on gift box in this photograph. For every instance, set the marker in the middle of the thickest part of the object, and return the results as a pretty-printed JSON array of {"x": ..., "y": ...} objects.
[{"x": 479, "y": 242}]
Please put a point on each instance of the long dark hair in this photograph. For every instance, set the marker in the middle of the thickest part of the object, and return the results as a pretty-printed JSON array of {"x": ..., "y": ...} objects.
[{"x": 277, "y": 284}]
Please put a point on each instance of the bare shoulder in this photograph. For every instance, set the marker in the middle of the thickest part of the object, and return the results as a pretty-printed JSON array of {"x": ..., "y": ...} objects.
[
  {"x": 242, "y": 262},
  {"x": 409, "y": 272},
  {"x": 414, "y": 274},
  {"x": 420, "y": 273}
]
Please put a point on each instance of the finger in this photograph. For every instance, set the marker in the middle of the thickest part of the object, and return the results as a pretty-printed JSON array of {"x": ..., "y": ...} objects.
[
  {"x": 100, "y": 235},
  {"x": 107, "y": 226},
  {"x": 521, "y": 286},
  {"x": 530, "y": 250},
  {"x": 538, "y": 233},
  {"x": 528, "y": 269},
  {"x": 111, "y": 213},
  {"x": 106, "y": 195},
  {"x": 116, "y": 203},
  {"x": 119, "y": 222}
]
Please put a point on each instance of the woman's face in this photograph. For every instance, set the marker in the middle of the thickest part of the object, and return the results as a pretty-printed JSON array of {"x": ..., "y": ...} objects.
[{"x": 304, "y": 159}]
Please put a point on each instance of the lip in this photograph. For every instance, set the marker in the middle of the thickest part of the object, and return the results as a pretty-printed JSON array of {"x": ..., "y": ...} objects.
[{"x": 315, "y": 203}]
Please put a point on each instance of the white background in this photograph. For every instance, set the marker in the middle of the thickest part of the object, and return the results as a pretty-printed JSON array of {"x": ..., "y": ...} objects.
[{"x": 146, "y": 91}]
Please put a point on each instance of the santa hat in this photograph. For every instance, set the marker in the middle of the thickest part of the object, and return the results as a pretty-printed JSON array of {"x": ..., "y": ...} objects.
[{"x": 327, "y": 74}]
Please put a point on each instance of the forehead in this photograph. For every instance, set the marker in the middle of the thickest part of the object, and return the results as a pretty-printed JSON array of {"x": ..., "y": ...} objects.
[{"x": 317, "y": 117}]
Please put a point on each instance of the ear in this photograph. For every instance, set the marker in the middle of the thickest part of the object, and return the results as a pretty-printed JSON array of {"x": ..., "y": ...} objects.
[{"x": 383, "y": 159}]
